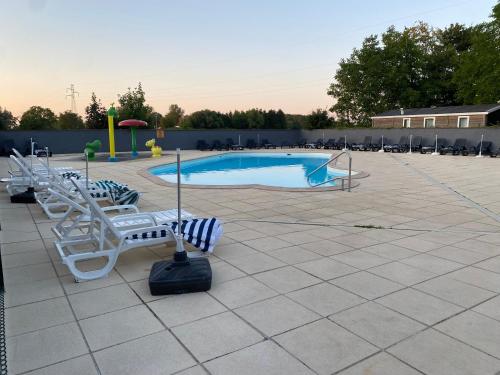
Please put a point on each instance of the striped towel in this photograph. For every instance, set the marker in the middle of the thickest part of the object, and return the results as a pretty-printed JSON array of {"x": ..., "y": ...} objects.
[
  {"x": 70, "y": 175},
  {"x": 123, "y": 195},
  {"x": 201, "y": 233}
]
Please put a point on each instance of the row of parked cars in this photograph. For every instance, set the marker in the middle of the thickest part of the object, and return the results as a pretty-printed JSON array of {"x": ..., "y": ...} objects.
[{"x": 460, "y": 147}]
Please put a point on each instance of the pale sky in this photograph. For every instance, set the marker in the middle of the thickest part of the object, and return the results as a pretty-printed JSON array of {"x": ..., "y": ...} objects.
[{"x": 216, "y": 54}]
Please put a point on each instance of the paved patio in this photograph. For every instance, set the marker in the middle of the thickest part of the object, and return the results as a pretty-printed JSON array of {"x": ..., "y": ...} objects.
[{"x": 400, "y": 276}]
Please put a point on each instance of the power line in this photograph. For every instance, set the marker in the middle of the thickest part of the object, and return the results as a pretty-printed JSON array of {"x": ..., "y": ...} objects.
[{"x": 71, "y": 94}]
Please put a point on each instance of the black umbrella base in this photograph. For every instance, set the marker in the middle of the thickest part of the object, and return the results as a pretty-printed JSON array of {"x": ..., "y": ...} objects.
[
  {"x": 177, "y": 277},
  {"x": 27, "y": 196}
]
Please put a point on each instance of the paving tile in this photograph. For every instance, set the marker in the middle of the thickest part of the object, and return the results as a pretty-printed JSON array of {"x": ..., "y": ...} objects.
[
  {"x": 490, "y": 308},
  {"x": 326, "y": 247},
  {"x": 325, "y": 298},
  {"x": 390, "y": 251},
  {"x": 44, "y": 347},
  {"x": 293, "y": 255},
  {"x": 436, "y": 354},
  {"x": 222, "y": 271},
  {"x": 402, "y": 273},
  {"x": 380, "y": 364},
  {"x": 71, "y": 287},
  {"x": 287, "y": 279},
  {"x": 267, "y": 243},
  {"x": 367, "y": 285},
  {"x": 240, "y": 292},
  {"x": 419, "y": 306},
  {"x": 458, "y": 255},
  {"x": 216, "y": 335},
  {"x": 263, "y": 358},
  {"x": 478, "y": 277},
  {"x": 29, "y": 274},
  {"x": 77, "y": 366},
  {"x": 416, "y": 244},
  {"x": 184, "y": 308},
  {"x": 377, "y": 324},
  {"x": 297, "y": 238},
  {"x": 479, "y": 246},
  {"x": 119, "y": 326},
  {"x": 474, "y": 329},
  {"x": 197, "y": 370},
  {"x": 431, "y": 263},
  {"x": 492, "y": 264},
  {"x": 324, "y": 346},
  {"x": 20, "y": 294},
  {"x": 155, "y": 354},
  {"x": 454, "y": 291},
  {"x": 22, "y": 247},
  {"x": 255, "y": 263},
  {"x": 276, "y": 315},
  {"x": 326, "y": 268},
  {"x": 103, "y": 300},
  {"x": 38, "y": 315},
  {"x": 360, "y": 259}
]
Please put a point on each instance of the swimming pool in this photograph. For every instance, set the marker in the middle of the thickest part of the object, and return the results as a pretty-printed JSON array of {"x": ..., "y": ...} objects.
[{"x": 246, "y": 168}]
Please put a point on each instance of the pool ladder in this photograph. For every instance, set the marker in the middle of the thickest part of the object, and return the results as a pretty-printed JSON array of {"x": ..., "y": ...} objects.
[{"x": 342, "y": 178}]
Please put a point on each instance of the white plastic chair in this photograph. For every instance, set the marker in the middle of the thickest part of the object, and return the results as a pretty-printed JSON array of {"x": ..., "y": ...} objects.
[{"x": 103, "y": 236}]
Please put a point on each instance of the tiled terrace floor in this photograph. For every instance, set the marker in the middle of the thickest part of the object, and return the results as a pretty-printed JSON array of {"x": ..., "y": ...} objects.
[{"x": 299, "y": 287}]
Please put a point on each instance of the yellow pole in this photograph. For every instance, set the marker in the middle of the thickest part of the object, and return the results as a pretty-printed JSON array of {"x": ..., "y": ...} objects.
[{"x": 111, "y": 132}]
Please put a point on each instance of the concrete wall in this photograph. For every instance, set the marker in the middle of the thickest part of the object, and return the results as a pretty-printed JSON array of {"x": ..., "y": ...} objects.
[
  {"x": 73, "y": 141},
  {"x": 473, "y": 135}
]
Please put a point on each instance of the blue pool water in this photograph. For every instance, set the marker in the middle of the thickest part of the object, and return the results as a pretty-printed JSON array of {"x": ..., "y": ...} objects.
[{"x": 245, "y": 168}]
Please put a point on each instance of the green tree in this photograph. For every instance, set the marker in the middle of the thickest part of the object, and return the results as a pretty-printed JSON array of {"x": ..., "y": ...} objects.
[
  {"x": 70, "y": 120},
  {"x": 401, "y": 69},
  {"x": 7, "y": 120},
  {"x": 239, "y": 120},
  {"x": 132, "y": 105},
  {"x": 319, "y": 119},
  {"x": 95, "y": 114},
  {"x": 38, "y": 118},
  {"x": 296, "y": 121},
  {"x": 205, "y": 119},
  {"x": 174, "y": 116},
  {"x": 478, "y": 74},
  {"x": 255, "y": 118}
]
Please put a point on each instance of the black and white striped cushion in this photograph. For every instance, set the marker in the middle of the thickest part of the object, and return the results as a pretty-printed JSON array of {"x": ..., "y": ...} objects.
[{"x": 201, "y": 233}]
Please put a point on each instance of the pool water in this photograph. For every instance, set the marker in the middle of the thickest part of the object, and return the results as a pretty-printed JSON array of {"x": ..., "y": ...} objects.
[{"x": 245, "y": 168}]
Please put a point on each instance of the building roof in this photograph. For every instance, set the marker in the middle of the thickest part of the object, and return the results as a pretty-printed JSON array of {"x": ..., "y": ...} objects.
[{"x": 458, "y": 109}]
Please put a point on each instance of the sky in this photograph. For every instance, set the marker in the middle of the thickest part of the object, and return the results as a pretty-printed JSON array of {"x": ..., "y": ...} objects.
[{"x": 200, "y": 54}]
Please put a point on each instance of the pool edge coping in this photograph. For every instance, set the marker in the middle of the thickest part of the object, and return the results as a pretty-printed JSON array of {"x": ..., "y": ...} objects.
[{"x": 144, "y": 172}]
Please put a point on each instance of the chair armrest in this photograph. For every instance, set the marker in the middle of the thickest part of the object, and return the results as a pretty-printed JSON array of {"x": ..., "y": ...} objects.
[
  {"x": 122, "y": 207},
  {"x": 140, "y": 216},
  {"x": 138, "y": 231}
]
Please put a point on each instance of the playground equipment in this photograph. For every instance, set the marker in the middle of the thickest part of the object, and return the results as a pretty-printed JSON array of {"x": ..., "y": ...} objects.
[
  {"x": 91, "y": 148},
  {"x": 111, "y": 132},
  {"x": 133, "y": 125},
  {"x": 155, "y": 150}
]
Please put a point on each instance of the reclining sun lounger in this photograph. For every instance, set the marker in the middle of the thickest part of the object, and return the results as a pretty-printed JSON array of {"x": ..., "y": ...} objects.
[
  {"x": 485, "y": 148},
  {"x": 401, "y": 146},
  {"x": 457, "y": 148},
  {"x": 362, "y": 146},
  {"x": 108, "y": 237},
  {"x": 329, "y": 144}
]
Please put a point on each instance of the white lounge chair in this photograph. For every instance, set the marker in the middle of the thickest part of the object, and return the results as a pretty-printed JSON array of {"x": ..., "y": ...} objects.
[{"x": 105, "y": 237}]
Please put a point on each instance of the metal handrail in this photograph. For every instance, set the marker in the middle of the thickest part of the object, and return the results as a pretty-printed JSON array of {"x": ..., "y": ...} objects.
[{"x": 334, "y": 158}]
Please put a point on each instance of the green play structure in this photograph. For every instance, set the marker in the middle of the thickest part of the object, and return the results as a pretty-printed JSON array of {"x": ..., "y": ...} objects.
[{"x": 91, "y": 148}]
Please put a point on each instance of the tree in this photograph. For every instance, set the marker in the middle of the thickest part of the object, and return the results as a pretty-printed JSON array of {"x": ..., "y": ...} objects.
[
  {"x": 401, "y": 69},
  {"x": 319, "y": 119},
  {"x": 70, "y": 120},
  {"x": 7, "y": 120},
  {"x": 133, "y": 105},
  {"x": 205, "y": 119},
  {"x": 95, "y": 114},
  {"x": 38, "y": 118},
  {"x": 174, "y": 116},
  {"x": 478, "y": 75}
]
